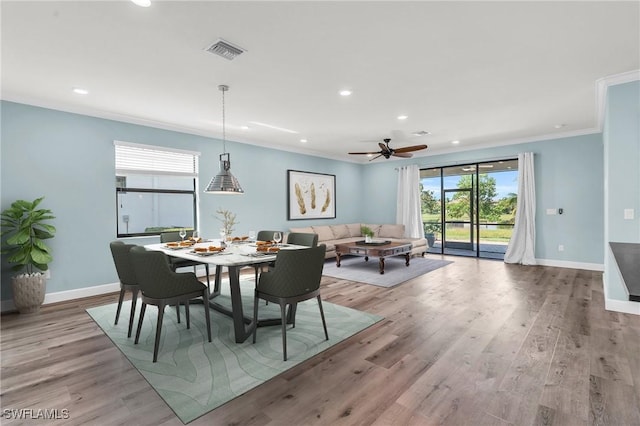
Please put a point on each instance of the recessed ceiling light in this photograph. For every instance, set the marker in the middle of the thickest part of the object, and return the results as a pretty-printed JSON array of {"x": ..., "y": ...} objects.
[
  {"x": 560, "y": 126},
  {"x": 142, "y": 3},
  {"x": 402, "y": 117},
  {"x": 303, "y": 140},
  {"x": 80, "y": 91},
  {"x": 421, "y": 133},
  {"x": 269, "y": 126},
  {"x": 455, "y": 142},
  {"x": 345, "y": 93},
  {"x": 245, "y": 127}
]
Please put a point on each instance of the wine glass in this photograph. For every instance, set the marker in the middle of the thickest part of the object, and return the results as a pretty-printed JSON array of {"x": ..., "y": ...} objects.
[
  {"x": 252, "y": 235},
  {"x": 223, "y": 235},
  {"x": 277, "y": 237},
  {"x": 182, "y": 233},
  {"x": 195, "y": 236}
]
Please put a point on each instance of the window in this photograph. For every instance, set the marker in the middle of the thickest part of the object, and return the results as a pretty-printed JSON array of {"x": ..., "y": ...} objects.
[
  {"x": 469, "y": 209},
  {"x": 155, "y": 189}
]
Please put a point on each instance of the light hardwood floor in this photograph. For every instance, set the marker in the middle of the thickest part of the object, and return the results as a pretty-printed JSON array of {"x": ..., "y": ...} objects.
[{"x": 475, "y": 343}]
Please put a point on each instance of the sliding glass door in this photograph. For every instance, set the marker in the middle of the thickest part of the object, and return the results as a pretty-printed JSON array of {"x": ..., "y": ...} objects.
[{"x": 469, "y": 209}]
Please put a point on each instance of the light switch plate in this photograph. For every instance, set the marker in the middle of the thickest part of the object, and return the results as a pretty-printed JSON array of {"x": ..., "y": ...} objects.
[{"x": 629, "y": 214}]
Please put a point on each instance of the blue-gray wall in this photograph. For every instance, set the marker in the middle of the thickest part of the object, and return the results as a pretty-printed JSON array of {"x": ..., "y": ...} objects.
[
  {"x": 69, "y": 158},
  {"x": 568, "y": 174},
  {"x": 622, "y": 176}
]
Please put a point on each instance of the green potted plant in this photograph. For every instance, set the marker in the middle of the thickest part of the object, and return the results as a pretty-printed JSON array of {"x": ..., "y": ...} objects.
[
  {"x": 24, "y": 232},
  {"x": 367, "y": 233},
  {"x": 430, "y": 232}
]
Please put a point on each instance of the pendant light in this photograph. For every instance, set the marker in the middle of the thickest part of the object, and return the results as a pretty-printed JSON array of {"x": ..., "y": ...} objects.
[{"x": 224, "y": 182}]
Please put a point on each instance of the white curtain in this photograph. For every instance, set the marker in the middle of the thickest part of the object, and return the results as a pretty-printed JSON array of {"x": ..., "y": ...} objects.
[
  {"x": 522, "y": 246},
  {"x": 409, "y": 211}
]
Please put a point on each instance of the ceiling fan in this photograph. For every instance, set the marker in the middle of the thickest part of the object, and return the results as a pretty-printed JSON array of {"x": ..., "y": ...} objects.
[{"x": 386, "y": 151}]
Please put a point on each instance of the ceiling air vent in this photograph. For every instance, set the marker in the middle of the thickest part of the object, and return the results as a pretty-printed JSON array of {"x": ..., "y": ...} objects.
[{"x": 225, "y": 49}]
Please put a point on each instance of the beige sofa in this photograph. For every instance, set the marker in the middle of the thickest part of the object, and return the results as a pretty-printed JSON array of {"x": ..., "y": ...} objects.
[{"x": 330, "y": 235}]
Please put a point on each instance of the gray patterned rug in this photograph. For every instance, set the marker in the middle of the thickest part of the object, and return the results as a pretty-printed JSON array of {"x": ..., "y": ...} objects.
[
  {"x": 194, "y": 376},
  {"x": 355, "y": 268}
]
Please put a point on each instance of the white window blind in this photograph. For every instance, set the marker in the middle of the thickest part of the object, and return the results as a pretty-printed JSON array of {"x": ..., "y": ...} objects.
[{"x": 151, "y": 160}]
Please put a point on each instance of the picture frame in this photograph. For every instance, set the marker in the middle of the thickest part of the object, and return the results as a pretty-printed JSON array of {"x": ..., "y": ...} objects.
[{"x": 310, "y": 195}]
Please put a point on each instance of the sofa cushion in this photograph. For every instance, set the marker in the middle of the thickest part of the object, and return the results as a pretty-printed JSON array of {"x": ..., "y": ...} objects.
[
  {"x": 354, "y": 229},
  {"x": 324, "y": 232},
  {"x": 305, "y": 230},
  {"x": 391, "y": 231},
  {"x": 340, "y": 231}
]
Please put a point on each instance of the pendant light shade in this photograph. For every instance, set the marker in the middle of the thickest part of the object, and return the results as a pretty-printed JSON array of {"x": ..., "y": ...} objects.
[{"x": 224, "y": 182}]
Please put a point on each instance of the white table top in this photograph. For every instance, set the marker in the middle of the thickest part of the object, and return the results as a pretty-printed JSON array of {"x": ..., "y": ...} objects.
[{"x": 233, "y": 255}]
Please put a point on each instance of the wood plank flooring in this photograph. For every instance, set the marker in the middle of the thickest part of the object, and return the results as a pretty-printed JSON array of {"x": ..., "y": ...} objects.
[{"x": 477, "y": 342}]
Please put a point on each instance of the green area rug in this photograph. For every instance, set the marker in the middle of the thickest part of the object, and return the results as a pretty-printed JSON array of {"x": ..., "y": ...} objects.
[{"x": 194, "y": 376}]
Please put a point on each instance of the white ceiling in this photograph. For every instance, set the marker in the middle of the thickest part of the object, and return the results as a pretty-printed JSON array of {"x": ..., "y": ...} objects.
[{"x": 484, "y": 73}]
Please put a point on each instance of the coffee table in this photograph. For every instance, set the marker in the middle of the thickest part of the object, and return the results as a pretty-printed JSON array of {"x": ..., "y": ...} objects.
[{"x": 374, "y": 249}]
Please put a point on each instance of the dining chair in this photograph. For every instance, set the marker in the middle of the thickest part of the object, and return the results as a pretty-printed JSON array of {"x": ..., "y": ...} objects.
[
  {"x": 295, "y": 278},
  {"x": 161, "y": 286},
  {"x": 302, "y": 239},
  {"x": 127, "y": 277},
  {"x": 172, "y": 236},
  {"x": 264, "y": 236}
]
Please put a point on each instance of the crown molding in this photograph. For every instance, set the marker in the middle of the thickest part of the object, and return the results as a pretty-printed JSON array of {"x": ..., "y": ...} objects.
[{"x": 602, "y": 85}]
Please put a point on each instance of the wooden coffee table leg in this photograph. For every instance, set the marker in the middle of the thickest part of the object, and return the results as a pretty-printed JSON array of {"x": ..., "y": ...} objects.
[
  {"x": 407, "y": 257},
  {"x": 338, "y": 259},
  {"x": 381, "y": 263}
]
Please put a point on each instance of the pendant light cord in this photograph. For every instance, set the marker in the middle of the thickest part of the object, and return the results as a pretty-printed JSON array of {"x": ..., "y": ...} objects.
[{"x": 223, "y": 88}]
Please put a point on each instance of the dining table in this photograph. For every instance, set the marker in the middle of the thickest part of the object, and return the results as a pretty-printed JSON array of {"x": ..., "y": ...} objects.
[{"x": 234, "y": 257}]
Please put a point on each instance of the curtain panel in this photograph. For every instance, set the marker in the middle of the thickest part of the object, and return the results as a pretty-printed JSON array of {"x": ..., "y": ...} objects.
[
  {"x": 409, "y": 211},
  {"x": 522, "y": 246}
]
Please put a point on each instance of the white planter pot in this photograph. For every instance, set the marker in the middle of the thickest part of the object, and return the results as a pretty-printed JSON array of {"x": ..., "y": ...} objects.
[{"x": 28, "y": 292}]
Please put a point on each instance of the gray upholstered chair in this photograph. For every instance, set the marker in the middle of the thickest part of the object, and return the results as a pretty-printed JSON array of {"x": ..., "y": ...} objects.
[
  {"x": 295, "y": 278},
  {"x": 127, "y": 277},
  {"x": 171, "y": 236},
  {"x": 302, "y": 239},
  {"x": 265, "y": 236},
  {"x": 161, "y": 286}
]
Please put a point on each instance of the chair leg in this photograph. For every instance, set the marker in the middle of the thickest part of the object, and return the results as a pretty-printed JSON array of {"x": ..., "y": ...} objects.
[
  {"x": 324, "y": 323},
  {"x": 186, "y": 309},
  {"x": 207, "y": 317},
  {"x": 283, "y": 315},
  {"x": 158, "y": 332},
  {"x": 120, "y": 299},
  {"x": 143, "y": 308},
  {"x": 178, "y": 311},
  {"x": 291, "y": 316},
  {"x": 134, "y": 299},
  {"x": 255, "y": 314}
]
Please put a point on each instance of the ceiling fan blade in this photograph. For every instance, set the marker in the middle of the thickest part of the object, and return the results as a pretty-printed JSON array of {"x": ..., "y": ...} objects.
[
  {"x": 411, "y": 148},
  {"x": 379, "y": 155},
  {"x": 364, "y": 153},
  {"x": 402, "y": 154}
]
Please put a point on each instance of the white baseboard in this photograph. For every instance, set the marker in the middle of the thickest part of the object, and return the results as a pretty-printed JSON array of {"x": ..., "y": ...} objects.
[
  {"x": 623, "y": 306},
  {"x": 571, "y": 265},
  {"x": 62, "y": 296}
]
